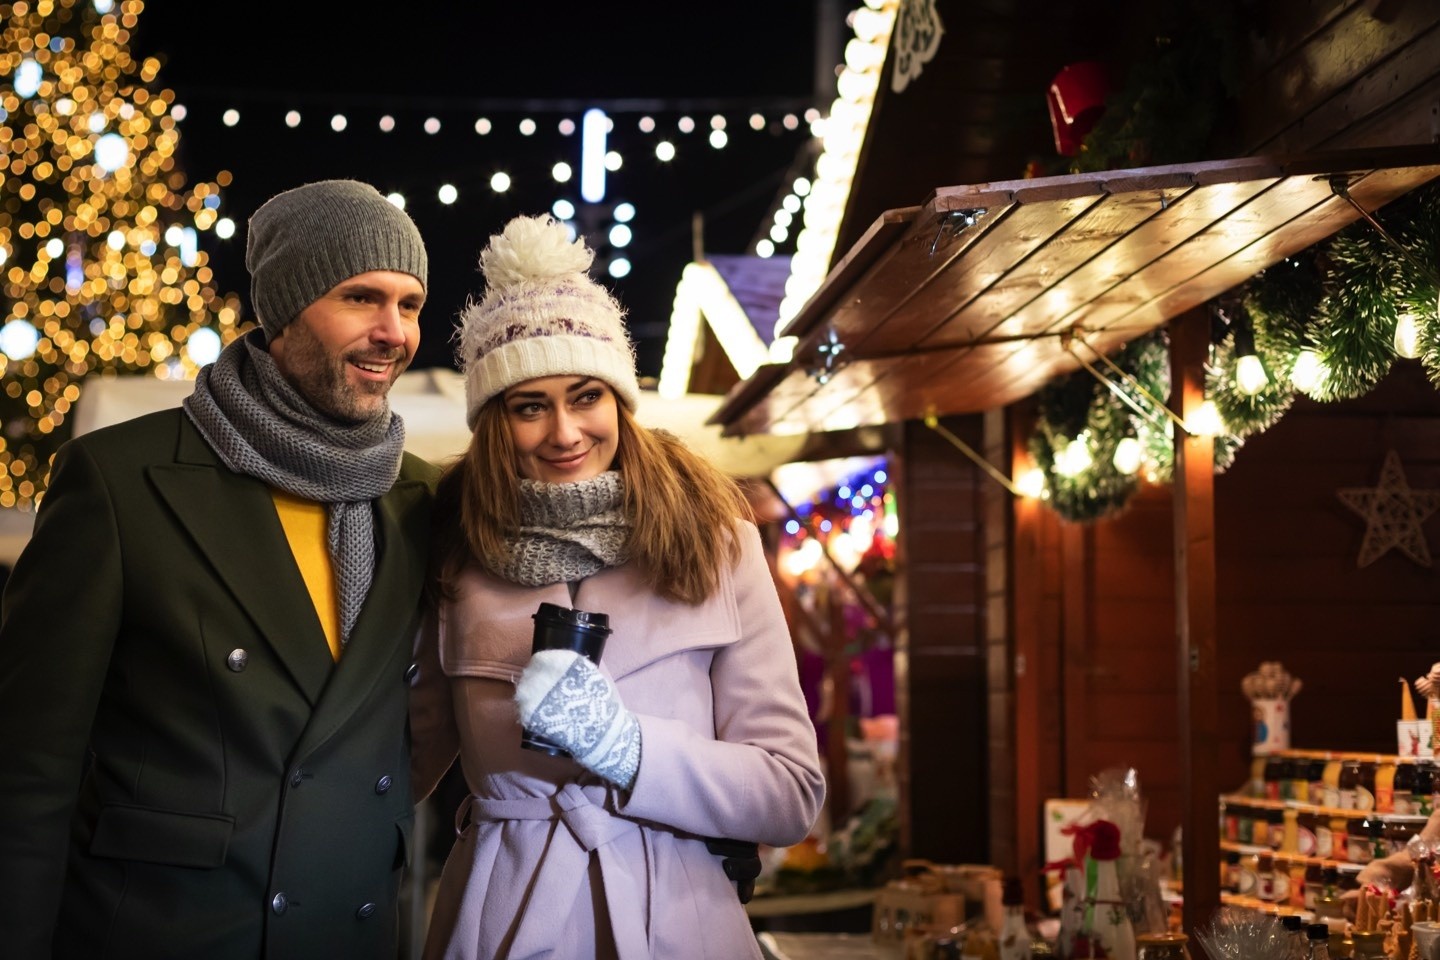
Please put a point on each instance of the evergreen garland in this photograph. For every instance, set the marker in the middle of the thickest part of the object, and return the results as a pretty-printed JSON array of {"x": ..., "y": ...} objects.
[{"x": 1340, "y": 300}]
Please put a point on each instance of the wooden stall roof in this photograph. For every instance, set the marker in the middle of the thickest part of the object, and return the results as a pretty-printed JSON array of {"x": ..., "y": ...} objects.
[{"x": 958, "y": 305}]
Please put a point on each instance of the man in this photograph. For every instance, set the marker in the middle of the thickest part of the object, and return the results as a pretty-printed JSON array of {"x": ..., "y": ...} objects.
[{"x": 204, "y": 648}]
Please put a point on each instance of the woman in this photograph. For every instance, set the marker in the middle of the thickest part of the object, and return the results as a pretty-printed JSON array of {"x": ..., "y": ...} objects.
[{"x": 693, "y": 725}]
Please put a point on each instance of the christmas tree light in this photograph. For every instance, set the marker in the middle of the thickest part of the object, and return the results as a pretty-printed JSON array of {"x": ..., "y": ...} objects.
[{"x": 87, "y": 199}]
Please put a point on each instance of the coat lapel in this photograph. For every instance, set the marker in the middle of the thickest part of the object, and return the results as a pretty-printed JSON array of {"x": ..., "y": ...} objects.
[
  {"x": 388, "y": 615},
  {"x": 233, "y": 521}
]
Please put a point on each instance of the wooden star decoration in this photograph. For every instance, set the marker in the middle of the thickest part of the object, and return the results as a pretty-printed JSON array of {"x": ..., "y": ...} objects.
[{"x": 1394, "y": 514}]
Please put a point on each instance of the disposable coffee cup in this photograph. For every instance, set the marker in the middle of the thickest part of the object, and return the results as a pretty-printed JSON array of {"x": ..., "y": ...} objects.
[{"x": 562, "y": 628}]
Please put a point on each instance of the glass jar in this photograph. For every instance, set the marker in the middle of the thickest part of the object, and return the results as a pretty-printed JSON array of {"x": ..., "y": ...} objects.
[
  {"x": 1404, "y": 789},
  {"x": 1162, "y": 946},
  {"x": 1349, "y": 783}
]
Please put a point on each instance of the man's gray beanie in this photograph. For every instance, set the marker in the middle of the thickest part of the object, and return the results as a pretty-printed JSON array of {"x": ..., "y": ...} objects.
[{"x": 303, "y": 242}]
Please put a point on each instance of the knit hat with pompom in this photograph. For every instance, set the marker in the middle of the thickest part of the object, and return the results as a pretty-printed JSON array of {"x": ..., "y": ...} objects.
[{"x": 542, "y": 316}]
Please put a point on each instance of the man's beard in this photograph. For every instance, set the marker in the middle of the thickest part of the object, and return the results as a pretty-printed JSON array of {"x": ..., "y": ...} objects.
[{"x": 320, "y": 377}]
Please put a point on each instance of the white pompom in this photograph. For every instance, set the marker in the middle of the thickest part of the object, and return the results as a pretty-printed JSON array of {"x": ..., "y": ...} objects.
[{"x": 530, "y": 249}]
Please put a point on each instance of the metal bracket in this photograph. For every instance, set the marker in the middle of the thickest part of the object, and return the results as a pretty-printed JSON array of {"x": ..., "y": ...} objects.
[
  {"x": 829, "y": 349},
  {"x": 954, "y": 223}
]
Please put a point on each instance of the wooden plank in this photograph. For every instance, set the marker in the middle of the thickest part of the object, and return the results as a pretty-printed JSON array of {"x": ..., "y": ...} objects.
[
  {"x": 1346, "y": 47},
  {"x": 931, "y": 302},
  {"x": 1075, "y": 629},
  {"x": 1073, "y": 245},
  {"x": 1195, "y": 622},
  {"x": 1380, "y": 91}
]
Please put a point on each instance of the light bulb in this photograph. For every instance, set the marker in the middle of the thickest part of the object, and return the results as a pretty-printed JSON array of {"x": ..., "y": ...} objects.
[
  {"x": 1128, "y": 453},
  {"x": 1031, "y": 483},
  {"x": 1205, "y": 421},
  {"x": 1075, "y": 459},
  {"x": 1308, "y": 372},
  {"x": 1250, "y": 374},
  {"x": 1407, "y": 336}
]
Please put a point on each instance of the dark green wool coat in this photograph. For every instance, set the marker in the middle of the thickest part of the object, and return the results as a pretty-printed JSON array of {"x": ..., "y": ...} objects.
[{"x": 184, "y": 771}]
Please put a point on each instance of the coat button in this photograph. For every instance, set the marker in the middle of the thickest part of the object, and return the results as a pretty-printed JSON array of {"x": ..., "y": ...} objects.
[
  {"x": 411, "y": 672},
  {"x": 280, "y": 903},
  {"x": 297, "y": 778},
  {"x": 365, "y": 911},
  {"x": 382, "y": 785},
  {"x": 237, "y": 660}
]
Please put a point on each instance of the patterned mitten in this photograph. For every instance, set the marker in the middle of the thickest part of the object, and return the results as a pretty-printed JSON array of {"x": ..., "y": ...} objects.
[{"x": 565, "y": 698}]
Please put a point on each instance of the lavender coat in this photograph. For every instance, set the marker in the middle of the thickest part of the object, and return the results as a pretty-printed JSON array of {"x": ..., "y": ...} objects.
[{"x": 551, "y": 862}]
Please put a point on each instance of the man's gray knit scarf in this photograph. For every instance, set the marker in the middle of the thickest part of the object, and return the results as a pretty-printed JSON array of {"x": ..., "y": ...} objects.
[
  {"x": 568, "y": 531},
  {"x": 259, "y": 425}
]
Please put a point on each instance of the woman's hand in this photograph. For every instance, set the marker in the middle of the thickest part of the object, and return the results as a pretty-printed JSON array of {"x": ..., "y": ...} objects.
[{"x": 565, "y": 698}]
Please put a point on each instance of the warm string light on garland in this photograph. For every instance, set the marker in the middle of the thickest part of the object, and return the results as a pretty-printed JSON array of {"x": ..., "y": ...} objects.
[
  {"x": 103, "y": 273},
  {"x": 1329, "y": 322}
]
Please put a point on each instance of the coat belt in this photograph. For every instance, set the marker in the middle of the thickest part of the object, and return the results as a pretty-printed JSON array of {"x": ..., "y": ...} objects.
[{"x": 589, "y": 829}]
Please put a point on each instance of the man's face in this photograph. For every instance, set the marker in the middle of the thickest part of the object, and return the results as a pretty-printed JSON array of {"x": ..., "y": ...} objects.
[{"x": 345, "y": 350}]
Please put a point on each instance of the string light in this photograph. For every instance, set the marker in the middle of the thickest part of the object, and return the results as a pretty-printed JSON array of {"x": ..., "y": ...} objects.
[
  {"x": 1407, "y": 335},
  {"x": 1308, "y": 371},
  {"x": 1205, "y": 421}
]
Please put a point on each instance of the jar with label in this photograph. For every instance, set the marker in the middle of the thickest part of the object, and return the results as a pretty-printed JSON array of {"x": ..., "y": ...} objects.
[
  {"x": 1274, "y": 773},
  {"x": 1265, "y": 878},
  {"x": 1365, "y": 786},
  {"x": 1331, "y": 779},
  {"x": 1404, "y": 790},
  {"x": 1290, "y": 830},
  {"x": 1230, "y": 872},
  {"x": 1314, "y": 885},
  {"x": 1422, "y": 800},
  {"x": 1275, "y": 828},
  {"x": 1339, "y": 838},
  {"x": 1316, "y": 773},
  {"x": 1349, "y": 782},
  {"x": 1324, "y": 839},
  {"x": 1385, "y": 786},
  {"x": 1358, "y": 847},
  {"x": 1230, "y": 823},
  {"x": 1247, "y": 882},
  {"x": 1244, "y": 825},
  {"x": 1162, "y": 946},
  {"x": 1297, "y": 884},
  {"x": 1255, "y": 787},
  {"x": 1305, "y": 840},
  {"x": 1300, "y": 779}
]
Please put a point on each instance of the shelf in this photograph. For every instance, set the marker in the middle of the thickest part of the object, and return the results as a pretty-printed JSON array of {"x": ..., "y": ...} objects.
[
  {"x": 1348, "y": 866},
  {"x": 1265, "y": 906},
  {"x": 1261, "y": 803},
  {"x": 1342, "y": 755}
]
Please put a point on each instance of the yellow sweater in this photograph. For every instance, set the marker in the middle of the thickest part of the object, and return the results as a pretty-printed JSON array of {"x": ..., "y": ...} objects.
[{"x": 304, "y": 524}]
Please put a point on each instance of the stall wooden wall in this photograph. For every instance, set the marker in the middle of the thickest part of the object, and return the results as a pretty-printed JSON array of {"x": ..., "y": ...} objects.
[
  {"x": 1289, "y": 589},
  {"x": 940, "y": 649}
]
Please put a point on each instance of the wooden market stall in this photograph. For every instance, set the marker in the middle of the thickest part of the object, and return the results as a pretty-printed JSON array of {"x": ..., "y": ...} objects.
[{"x": 1033, "y": 651}]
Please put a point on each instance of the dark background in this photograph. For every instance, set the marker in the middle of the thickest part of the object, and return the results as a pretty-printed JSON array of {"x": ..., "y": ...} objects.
[{"x": 461, "y": 61}]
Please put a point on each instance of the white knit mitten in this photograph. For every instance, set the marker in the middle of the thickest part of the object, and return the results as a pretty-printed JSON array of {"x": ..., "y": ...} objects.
[{"x": 565, "y": 698}]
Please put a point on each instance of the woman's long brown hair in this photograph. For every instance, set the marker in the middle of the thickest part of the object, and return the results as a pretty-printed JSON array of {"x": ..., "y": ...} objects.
[{"x": 682, "y": 509}]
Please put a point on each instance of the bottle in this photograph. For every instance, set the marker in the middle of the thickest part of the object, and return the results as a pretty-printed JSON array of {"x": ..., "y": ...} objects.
[
  {"x": 1324, "y": 838},
  {"x": 1339, "y": 838},
  {"x": 1385, "y": 786},
  {"x": 1317, "y": 936},
  {"x": 1297, "y": 884},
  {"x": 1404, "y": 789},
  {"x": 1280, "y": 881},
  {"x": 1275, "y": 828},
  {"x": 1316, "y": 773},
  {"x": 1255, "y": 787},
  {"x": 1247, "y": 881},
  {"x": 1230, "y": 822},
  {"x": 1014, "y": 935},
  {"x": 1294, "y": 930},
  {"x": 1379, "y": 843},
  {"x": 1331, "y": 779},
  {"x": 1422, "y": 800},
  {"x": 1365, "y": 785},
  {"x": 1259, "y": 824},
  {"x": 1290, "y": 830},
  {"x": 1112, "y": 923},
  {"x": 1314, "y": 884},
  {"x": 1349, "y": 781},
  {"x": 1300, "y": 779},
  {"x": 1360, "y": 848}
]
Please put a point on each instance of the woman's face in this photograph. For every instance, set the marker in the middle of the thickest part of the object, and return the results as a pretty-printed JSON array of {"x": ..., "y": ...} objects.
[{"x": 565, "y": 428}]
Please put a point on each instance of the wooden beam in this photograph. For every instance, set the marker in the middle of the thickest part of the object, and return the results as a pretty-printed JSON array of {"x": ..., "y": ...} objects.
[
  {"x": 1027, "y": 591},
  {"x": 1194, "y": 493},
  {"x": 1076, "y": 595}
]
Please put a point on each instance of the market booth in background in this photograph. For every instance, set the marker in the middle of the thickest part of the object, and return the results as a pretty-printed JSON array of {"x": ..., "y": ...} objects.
[{"x": 1039, "y": 643}]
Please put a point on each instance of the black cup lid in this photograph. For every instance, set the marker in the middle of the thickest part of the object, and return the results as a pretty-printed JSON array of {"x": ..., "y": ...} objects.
[{"x": 572, "y": 617}]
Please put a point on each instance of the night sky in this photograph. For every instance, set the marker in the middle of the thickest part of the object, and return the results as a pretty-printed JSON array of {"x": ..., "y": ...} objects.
[{"x": 458, "y": 62}]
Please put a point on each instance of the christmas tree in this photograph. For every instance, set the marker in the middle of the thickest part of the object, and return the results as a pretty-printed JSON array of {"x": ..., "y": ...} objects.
[{"x": 99, "y": 250}]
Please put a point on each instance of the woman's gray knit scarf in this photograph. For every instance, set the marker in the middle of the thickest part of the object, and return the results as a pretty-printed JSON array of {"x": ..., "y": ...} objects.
[
  {"x": 259, "y": 425},
  {"x": 568, "y": 531}
]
